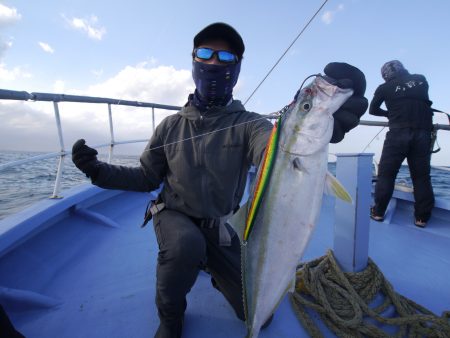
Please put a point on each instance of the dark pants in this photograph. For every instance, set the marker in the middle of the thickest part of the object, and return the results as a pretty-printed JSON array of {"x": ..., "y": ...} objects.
[
  {"x": 186, "y": 246},
  {"x": 7, "y": 330},
  {"x": 414, "y": 145}
]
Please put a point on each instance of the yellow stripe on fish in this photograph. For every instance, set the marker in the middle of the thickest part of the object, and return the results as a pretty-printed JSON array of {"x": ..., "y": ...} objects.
[{"x": 263, "y": 178}]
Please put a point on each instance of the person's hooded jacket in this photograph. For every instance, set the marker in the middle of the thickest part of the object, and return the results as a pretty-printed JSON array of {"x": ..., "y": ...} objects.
[
  {"x": 203, "y": 160},
  {"x": 406, "y": 98}
]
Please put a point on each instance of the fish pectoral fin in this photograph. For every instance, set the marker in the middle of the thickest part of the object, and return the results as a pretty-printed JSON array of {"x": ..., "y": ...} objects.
[
  {"x": 237, "y": 221},
  {"x": 334, "y": 188},
  {"x": 297, "y": 163}
]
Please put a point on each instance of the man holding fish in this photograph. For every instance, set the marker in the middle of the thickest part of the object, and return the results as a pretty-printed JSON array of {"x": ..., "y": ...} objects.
[{"x": 202, "y": 155}]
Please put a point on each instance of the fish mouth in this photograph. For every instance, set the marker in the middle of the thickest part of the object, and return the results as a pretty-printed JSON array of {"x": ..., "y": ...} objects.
[{"x": 290, "y": 152}]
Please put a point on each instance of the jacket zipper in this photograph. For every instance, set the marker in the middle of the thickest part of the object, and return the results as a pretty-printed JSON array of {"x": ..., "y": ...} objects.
[{"x": 202, "y": 159}]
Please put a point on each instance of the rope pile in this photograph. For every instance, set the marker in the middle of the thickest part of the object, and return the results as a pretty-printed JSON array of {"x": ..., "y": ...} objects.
[{"x": 342, "y": 301}]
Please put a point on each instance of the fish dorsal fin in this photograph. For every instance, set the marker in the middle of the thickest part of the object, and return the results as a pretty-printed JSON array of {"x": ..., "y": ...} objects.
[
  {"x": 334, "y": 188},
  {"x": 263, "y": 178}
]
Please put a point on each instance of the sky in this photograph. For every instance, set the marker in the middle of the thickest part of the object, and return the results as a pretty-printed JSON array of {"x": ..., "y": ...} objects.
[{"x": 141, "y": 50}]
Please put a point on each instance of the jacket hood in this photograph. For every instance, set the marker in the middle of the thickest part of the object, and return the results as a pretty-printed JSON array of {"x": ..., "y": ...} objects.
[
  {"x": 392, "y": 70},
  {"x": 192, "y": 113}
]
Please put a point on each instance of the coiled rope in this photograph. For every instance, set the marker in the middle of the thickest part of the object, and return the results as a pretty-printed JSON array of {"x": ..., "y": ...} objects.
[{"x": 342, "y": 301}]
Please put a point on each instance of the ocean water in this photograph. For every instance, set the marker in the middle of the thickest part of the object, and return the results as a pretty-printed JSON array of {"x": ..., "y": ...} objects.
[
  {"x": 29, "y": 183},
  {"x": 26, "y": 184}
]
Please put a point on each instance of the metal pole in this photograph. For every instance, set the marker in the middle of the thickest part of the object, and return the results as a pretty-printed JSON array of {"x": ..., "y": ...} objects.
[
  {"x": 351, "y": 230},
  {"x": 153, "y": 118},
  {"x": 111, "y": 132},
  {"x": 63, "y": 154}
]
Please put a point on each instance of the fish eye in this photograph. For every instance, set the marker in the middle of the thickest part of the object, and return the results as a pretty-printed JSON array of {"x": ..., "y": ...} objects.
[{"x": 306, "y": 106}]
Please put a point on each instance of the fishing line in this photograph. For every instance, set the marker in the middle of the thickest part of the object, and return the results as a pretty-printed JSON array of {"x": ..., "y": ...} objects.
[
  {"x": 210, "y": 132},
  {"x": 368, "y": 144},
  {"x": 434, "y": 110},
  {"x": 263, "y": 117},
  {"x": 270, "y": 116},
  {"x": 285, "y": 52}
]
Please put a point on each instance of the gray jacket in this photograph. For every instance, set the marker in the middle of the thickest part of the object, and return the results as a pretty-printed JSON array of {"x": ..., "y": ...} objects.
[{"x": 202, "y": 160}]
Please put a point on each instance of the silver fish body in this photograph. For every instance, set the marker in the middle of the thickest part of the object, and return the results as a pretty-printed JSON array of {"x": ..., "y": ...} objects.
[{"x": 291, "y": 202}]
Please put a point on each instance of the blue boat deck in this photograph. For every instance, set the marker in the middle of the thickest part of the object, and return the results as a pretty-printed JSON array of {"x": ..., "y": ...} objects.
[{"x": 93, "y": 275}]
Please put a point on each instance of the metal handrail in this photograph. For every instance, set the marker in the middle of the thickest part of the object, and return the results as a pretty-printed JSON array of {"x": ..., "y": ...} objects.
[
  {"x": 55, "y": 98},
  {"x": 437, "y": 126}
]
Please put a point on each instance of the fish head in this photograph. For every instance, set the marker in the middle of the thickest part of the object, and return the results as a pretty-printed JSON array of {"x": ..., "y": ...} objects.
[{"x": 307, "y": 126}]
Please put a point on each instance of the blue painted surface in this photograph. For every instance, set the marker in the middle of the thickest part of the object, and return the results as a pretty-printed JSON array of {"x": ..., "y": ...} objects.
[
  {"x": 351, "y": 232},
  {"x": 72, "y": 276}
]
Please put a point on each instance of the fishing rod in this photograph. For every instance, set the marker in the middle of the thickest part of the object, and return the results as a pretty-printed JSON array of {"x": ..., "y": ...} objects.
[
  {"x": 440, "y": 111},
  {"x": 376, "y": 135},
  {"x": 434, "y": 132}
]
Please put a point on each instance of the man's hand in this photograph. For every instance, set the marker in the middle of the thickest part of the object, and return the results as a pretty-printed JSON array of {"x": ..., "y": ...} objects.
[
  {"x": 348, "y": 115},
  {"x": 85, "y": 158}
]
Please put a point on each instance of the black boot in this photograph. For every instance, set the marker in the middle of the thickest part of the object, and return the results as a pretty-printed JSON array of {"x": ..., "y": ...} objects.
[
  {"x": 7, "y": 328},
  {"x": 170, "y": 322},
  {"x": 171, "y": 329}
]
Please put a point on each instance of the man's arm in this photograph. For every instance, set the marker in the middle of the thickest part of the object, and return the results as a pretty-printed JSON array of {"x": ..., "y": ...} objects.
[
  {"x": 375, "y": 104},
  {"x": 146, "y": 177},
  {"x": 124, "y": 178}
]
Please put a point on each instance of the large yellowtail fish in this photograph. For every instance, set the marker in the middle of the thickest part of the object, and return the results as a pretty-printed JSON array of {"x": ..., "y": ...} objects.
[{"x": 276, "y": 224}]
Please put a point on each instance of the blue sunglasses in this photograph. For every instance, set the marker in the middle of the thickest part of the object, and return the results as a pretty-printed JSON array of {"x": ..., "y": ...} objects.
[{"x": 222, "y": 55}]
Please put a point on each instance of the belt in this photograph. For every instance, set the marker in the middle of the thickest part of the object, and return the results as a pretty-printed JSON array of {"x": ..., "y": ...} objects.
[
  {"x": 152, "y": 209},
  {"x": 224, "y": 234}
]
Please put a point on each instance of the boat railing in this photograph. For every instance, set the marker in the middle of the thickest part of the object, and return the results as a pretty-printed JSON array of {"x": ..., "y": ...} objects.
[{"x": 56, "y": 98}]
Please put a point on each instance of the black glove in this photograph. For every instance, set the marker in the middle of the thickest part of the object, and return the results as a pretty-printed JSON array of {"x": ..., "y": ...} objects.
[
  {"x": 85, "y": 159},
  {"x": 348, "y": 115}
]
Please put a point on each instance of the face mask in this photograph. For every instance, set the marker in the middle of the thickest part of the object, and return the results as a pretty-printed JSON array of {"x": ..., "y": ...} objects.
[{"x": 214, "y": 83}]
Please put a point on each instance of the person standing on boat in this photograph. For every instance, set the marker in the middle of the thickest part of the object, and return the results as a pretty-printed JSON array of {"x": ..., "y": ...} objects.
[
  {"x": 410, "y": 125},
  {"x": 204, "y": 176}
]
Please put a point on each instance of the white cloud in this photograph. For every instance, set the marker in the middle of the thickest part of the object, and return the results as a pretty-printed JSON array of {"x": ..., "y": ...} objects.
[
  {"x": 8, "y": 15},
  {"x": 46, "y": 47},
  {"x": 12, "y": 74},
  {"x": 328, "y": 16},
  {"x": 143, "y": 82},
  {"x": 88, "y": 26},
  {"x": 59, "y": 86},
  {"x": 28, "y": 122},
  {"x": 162, "y": 84},
  {"x": 97, "y": 72},
  {"x": 4, "y": 46}
]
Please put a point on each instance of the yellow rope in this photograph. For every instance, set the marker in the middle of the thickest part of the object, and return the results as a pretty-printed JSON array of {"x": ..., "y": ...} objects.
[{"x": 342, "y": 301}]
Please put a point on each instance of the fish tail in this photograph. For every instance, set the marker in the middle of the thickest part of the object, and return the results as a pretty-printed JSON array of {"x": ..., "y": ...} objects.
[{"x": 252, "y": 333}]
